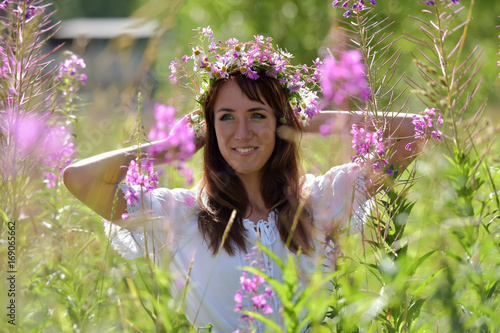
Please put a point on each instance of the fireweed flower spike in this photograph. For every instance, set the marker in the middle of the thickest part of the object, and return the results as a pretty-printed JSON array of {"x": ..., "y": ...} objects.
[
  {"x": 177, "y": 131},
  {"x": 26, "y": 131},
  {"x": 426, "y": 122},
  {"x": 255, "y": 293},
  {"x": 59, "y": 147},
  {"x": 433, "y": 3},
  {"x": 427, "y": 125},
  {"x": 366, "y": 142},
  {"x": 70, "y": 70},
  {"x": 31, "y": 11},
  {"x": 352, "y": 6},
  {"x": 69, "y": 78},
  {"x": 178, "y": 135},
  {"x": 52, "y": 145},
  {"x": 343, "y": 79},
  {"x": 253, "y": 59},
  {"x": 144, "y": 176}
]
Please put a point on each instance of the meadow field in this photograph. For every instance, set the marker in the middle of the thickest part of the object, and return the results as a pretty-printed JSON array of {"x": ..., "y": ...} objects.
[{"x": 428, "y": 259}]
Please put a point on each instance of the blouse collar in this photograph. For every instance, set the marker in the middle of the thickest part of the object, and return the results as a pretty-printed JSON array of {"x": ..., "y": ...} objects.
[{"x": 266, "y": 229}]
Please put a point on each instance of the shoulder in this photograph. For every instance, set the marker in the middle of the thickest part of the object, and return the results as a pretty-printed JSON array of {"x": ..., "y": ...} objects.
[
  {"x": 176, "y": 196},
  {"x": 179, "y": 205},
  {"x": 336, "y": 196}
]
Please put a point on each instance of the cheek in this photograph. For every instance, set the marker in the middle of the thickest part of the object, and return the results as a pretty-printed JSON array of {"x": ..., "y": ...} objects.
[{"x": 269, "y": 133}]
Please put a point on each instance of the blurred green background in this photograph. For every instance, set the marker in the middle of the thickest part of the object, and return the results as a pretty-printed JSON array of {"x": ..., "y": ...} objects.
[{"x": 119, "y": 66}]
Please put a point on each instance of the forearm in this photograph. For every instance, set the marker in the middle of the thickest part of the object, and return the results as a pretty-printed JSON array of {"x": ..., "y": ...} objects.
[
  {"x": 111, "y": 167},
  {"x": 341, "y": 119},
  {"x": 397, "y": 125},
  {"x": 398, "y": 131},
  {"x": 93, "y": 180}
]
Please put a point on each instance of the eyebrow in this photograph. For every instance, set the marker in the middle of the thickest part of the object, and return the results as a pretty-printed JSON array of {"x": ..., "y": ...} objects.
[{"x": 249, "y": 110}]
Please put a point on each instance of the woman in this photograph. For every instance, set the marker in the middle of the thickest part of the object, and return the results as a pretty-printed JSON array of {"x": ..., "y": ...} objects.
[{"x": 250, "y": 167}]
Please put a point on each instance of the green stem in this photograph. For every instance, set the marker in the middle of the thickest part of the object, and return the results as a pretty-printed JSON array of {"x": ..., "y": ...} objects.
[
  {"x": 370, "y": 75},
  {"x": 466, "y": 29},
  {"x": 444, "y": 67}
]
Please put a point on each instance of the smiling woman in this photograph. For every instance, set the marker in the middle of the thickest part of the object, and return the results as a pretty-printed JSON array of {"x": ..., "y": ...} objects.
[
  {"x": 243, "y": 147},
  {"x": 252, "y": 189}
]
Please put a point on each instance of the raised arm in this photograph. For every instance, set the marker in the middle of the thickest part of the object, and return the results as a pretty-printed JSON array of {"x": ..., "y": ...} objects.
[
  {"x": 94, "y": 180},
  {"x": 399, "y": 132}
]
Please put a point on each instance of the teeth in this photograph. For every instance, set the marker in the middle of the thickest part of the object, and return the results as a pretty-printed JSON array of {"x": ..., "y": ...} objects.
[{"x": 244, "y": 150}]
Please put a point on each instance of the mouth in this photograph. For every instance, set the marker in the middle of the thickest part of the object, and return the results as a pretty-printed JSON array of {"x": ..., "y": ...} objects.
[{"x": 245, "y": 150}]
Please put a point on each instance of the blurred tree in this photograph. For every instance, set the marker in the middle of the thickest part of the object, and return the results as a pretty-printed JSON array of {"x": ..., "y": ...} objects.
[
  {"x": 302, "y": 27},
  {"x": 67, "y": 9}
]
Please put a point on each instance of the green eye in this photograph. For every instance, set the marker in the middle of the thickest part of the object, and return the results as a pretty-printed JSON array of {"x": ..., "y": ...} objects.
[
  {"x": 258, "y": 116},
  {"x": 226, "y": 116}
]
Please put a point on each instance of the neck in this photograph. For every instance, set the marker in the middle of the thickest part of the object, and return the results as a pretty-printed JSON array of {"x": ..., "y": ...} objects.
[{"x": 257, "y": 205}]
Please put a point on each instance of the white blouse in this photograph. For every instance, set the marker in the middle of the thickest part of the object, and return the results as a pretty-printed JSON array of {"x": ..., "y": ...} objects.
[{"x": 170, "y": 217}]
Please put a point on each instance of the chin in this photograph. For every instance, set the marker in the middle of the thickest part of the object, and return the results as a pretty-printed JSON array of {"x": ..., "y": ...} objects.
[{"x": 246, "y": 171}]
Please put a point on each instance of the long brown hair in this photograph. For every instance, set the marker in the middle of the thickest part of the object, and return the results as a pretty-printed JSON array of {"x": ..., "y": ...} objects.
[{"x": 221, "y": 189}]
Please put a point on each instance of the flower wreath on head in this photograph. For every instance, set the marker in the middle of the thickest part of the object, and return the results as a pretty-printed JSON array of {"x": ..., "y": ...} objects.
[{"x": 253, "y": 59}]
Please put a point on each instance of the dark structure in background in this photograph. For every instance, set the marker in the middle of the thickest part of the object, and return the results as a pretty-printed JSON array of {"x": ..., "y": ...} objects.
[{"x": 112, "y": 49}]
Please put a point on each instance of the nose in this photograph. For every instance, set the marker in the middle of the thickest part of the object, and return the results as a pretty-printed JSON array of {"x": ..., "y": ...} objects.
[{"x": 243, "y": 130}]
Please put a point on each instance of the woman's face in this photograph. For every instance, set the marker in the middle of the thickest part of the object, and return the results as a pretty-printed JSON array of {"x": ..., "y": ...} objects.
[{"x": 245, "y": 130}]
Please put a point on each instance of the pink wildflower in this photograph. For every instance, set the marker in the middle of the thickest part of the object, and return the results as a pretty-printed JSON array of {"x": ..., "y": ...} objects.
[
  {"x": 254, "y": 289},
  {"x": 70, "y": 76},
  {"x": 207, "y": 32},
  {"x": 176, "y": 134},
  {"x": 344, "y": 79},
  {"x": 173, "y": 70},
  {"x": 367, "y": 142},
  {"x": 428, "y": 124},
  {"x": 327, "y": 128},
  {"x": 144, "y": 176},
  {"x": 58, "y": 149},
  {"x": 355, "y": 6}
]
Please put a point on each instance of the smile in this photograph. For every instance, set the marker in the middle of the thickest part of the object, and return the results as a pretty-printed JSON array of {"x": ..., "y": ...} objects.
[{"x": 245, "y": 150}]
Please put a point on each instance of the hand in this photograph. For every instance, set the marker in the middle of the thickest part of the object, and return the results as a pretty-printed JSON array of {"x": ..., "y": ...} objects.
[{"x": 197, "y": 124}]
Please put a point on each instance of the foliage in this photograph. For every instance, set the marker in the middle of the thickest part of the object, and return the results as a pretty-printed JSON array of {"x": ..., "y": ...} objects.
[{"x": 429, "y": 255}]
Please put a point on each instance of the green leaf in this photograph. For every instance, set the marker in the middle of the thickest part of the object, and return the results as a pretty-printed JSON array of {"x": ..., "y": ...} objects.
[
  {"x": 208, "y": 327},
  {"x": 426, "y": 282},
  {"x": 265, "y": 320},
  {"x": 493, "y": 290},
  {"x": 411, "y": 270},
  {"x": 414, "y": 310},
  {"x": 290, "y": 276},
  {"x": 271, "y": 255}
]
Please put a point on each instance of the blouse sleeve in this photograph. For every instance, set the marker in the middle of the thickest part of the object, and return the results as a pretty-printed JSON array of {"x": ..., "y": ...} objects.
[
  {"x": 161, "y": 214},
  {"x": 338, "y": 198}
]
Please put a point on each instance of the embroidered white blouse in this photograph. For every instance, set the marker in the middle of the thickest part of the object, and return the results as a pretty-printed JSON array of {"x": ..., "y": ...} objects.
[{"x": 337, "y": 199}]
